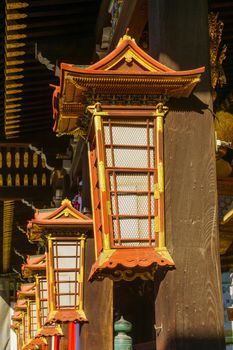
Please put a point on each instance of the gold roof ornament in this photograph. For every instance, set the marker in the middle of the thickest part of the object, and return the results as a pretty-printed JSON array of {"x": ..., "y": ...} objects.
[{"x": 217, "y": 53}]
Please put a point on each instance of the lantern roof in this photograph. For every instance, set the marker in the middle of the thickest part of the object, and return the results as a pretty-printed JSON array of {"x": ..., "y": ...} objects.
[
  {"x": 27, "y": 290},
  {"x": 65, "y": 215},
  {"x": 35, "y": 343},
  {"x": 14, "y": 325},
  {"x": 21, "y": 304},
  {"x": 17, "y": 316},
  {"x": 128, "y": 69},
  {"x": 34, "y": 264}
]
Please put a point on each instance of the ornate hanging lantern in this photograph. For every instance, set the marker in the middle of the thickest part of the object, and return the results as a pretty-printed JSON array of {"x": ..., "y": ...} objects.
[
  {"x": 17, "y": 326},
  {"x": 21, "y": 306},
  {"x": 27, "y": 293},
  {"x": 126, "y": 92},
  {"x": 36, "y": 267},
  {"x": 64, "y": 230}
]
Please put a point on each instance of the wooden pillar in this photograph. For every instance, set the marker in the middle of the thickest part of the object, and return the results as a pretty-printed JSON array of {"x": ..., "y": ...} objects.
[
  {"x": 86, "y": 205},
  {"x": 98, "y": 296},
  {"x": 5, "y": 341},
  {"x": 189, "y": 299}
]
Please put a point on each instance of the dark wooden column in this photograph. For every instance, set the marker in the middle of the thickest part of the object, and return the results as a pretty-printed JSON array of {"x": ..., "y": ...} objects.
[
  {"x": 97, "y": 333},
  {"x": 86, "y": 181},
  {"x": 189, "y": 299}
]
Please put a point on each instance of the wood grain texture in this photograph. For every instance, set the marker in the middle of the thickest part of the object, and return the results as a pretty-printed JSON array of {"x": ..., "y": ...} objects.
[
  {"x": 64, "y": 341},
  {"x": 98, "y": 296},
  {"x": 188, "y": 300},
  {"x": 133, "y": 16}
]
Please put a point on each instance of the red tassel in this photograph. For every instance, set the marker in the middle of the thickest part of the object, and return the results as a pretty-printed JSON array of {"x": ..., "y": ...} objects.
[
  {"x": 56, "y": 342},
  {"x": 70, "y": 337}
]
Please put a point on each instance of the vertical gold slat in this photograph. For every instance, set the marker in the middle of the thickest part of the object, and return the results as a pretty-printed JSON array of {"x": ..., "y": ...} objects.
[{"x": 8, "y": 215}]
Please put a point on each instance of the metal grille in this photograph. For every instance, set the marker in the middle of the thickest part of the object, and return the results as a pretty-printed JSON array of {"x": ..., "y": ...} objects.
[
  {"x": 21, "y": 330},
  {"x": 43, "y": 287},
  {"x": 130, "y": 168},
  {"x": 66, "y": 257},
  {"x": 33, "y": 318},
  {"x": 26, "y": 335}
]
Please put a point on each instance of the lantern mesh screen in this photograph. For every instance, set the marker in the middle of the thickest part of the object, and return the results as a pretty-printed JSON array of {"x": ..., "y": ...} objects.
[
  {"x": 43, "y": 299},
  {"x": 21, "y": 330},
  {"x": 66, "y": 258},
  {"x": 26, "y": 328},
  {"x": 33, "y": 318},
  {"x": 130, "y": 168}
]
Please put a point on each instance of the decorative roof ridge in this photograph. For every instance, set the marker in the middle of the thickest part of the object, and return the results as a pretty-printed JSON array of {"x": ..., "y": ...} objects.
[
  {"x": 33, "y": 263},
  {"x": 27, "y": 290},
  {"x": 35, "y": 259},
  {"x": 65, "y": 209},
  {"x": 127, "y": 43},
  {"x": 20, "y": 304},
  {"x": 34, "y": 343}
]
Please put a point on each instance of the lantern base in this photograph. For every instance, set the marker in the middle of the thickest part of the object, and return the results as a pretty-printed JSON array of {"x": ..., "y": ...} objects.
[
  {"x": 67, "y": 315},
  {"x": 35, "y": 343},
  {"x": 49, "y": 331},
  {"x": 128, "y": 264}
]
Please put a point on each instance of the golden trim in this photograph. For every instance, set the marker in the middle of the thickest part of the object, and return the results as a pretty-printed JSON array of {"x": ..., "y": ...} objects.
[
  {"x": 92, "y": 197},
  {"x": 50, "y": 275},
  {"x": 164, "y": 253},
  {"x": 128, "y": 55},
  {"x": 161, "y": 239},
  {"x": 101, "y": 172},
  {"x": 105, "y": 256},
  {"x": 109, "y": 208},
  {"x": 161, "y": 110},
  {"x": 106, "y": 241},
  {"x": 98, "y": 122},
  {"x": 81, "y": 274},
  {"x": 8, "y": 214},
  {"x": 38, "y": 311},
  {"x": 156, "y": 191},
  {"x": 157, "y": 224},
  {"x": 160, "y": 177}
]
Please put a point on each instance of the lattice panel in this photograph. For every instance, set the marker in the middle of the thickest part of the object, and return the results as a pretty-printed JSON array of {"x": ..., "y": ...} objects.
[
  {"x": 26, "y": 333},
  {"x": 33, "y": 318},
  {"x": 129, "y": 204},
  {"x": 43, "y": 288},
  {"x": 66, "y": 256},
  {"x": 130, "y": 164}
]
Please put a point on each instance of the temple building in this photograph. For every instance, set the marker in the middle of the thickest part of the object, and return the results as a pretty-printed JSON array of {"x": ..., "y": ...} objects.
[{"x": 116, "y": 175}]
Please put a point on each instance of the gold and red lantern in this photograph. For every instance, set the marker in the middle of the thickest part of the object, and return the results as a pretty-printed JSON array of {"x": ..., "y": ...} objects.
[
  {"x": 64, "y": 230},
  {"x": 126, "y": 92},
  {"x": 36, "y": 267}
]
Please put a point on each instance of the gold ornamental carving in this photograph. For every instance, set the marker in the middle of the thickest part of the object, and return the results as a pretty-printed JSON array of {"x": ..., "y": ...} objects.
[
  {"x": 217, "y": 53},
  {"x": 17, "y": 160},
  {"x": 8, "y": 159},
  {"x": 25, "y": 159}
]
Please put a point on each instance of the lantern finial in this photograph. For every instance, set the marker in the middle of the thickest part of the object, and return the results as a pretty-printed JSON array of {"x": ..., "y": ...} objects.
[
  {"x": 66, "y": 201},
  {"x": 161, "y": 110},
  {"x": 98, "y": 107},
  {"x": 126, "y": 36}
]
